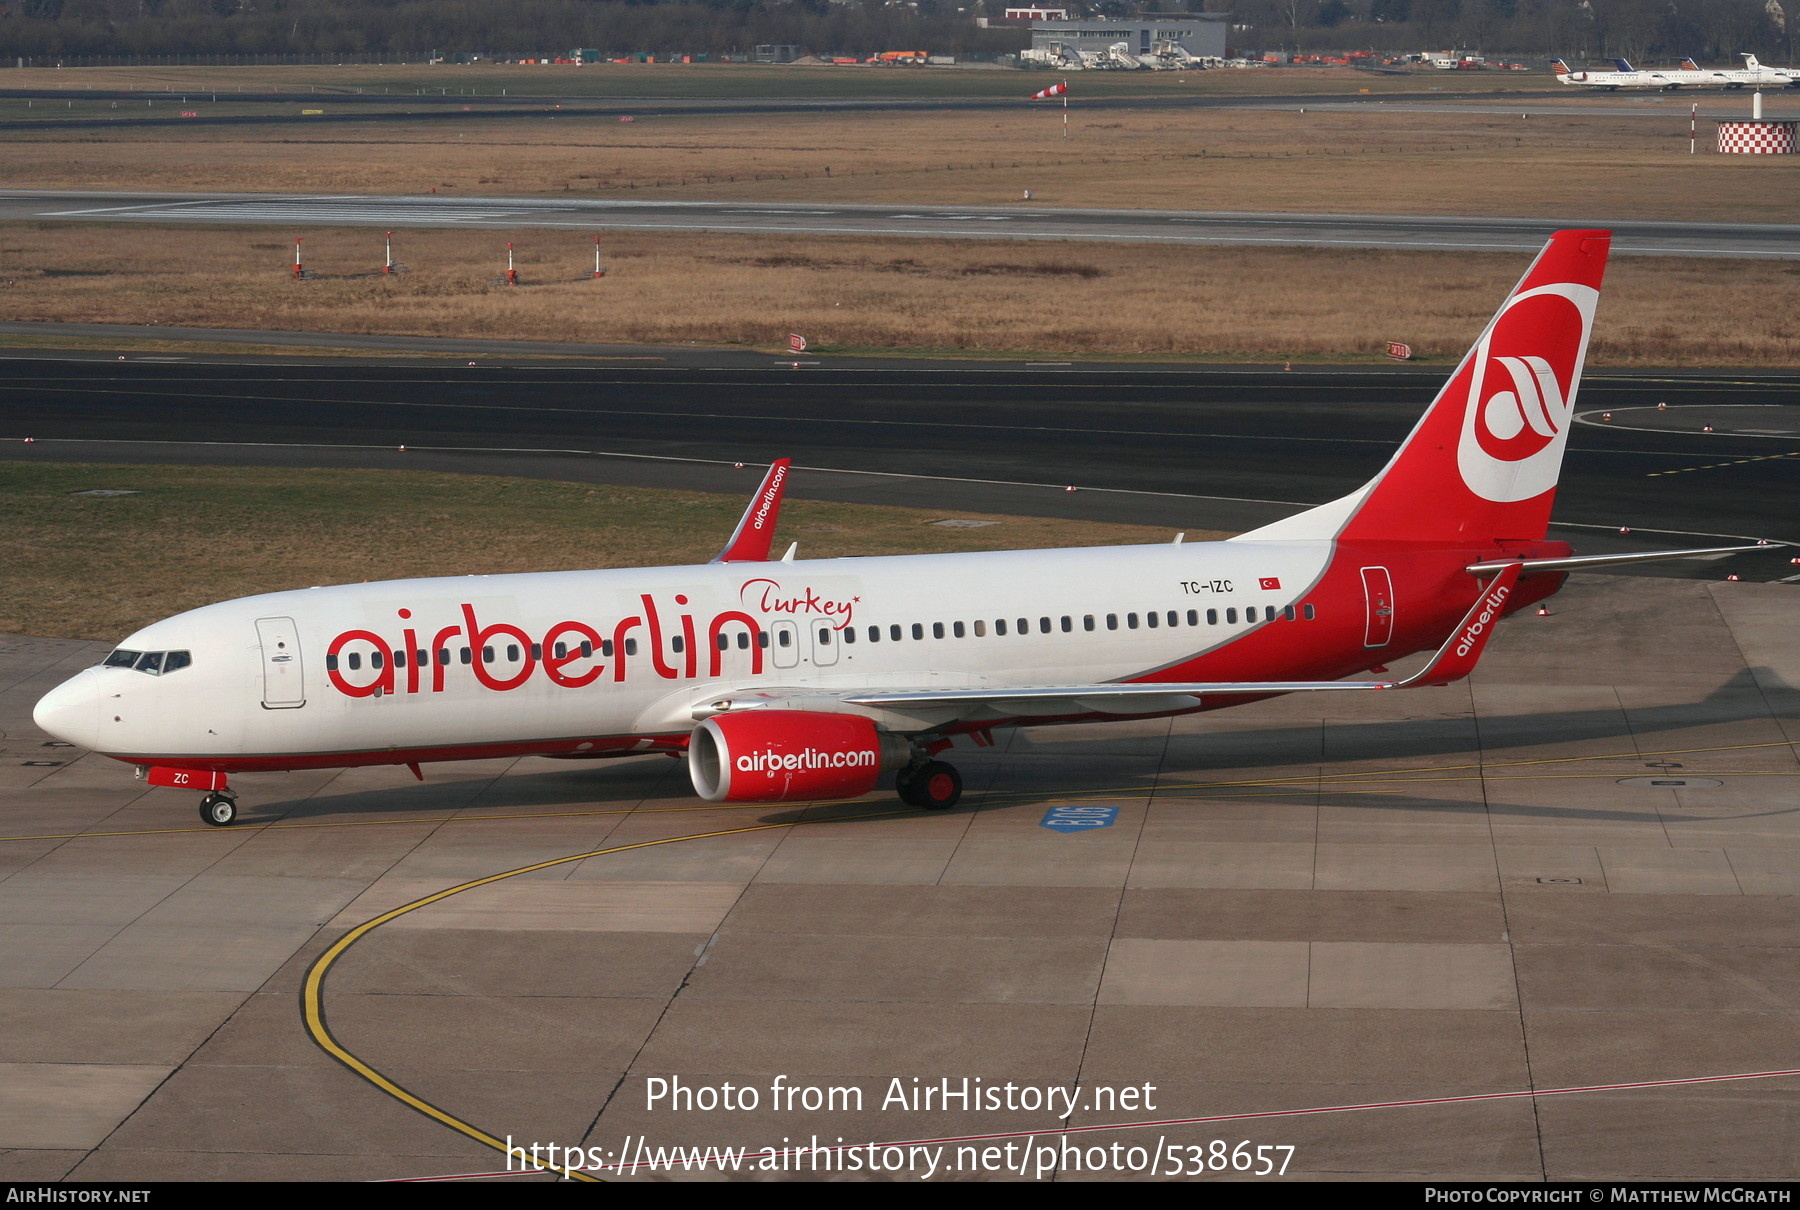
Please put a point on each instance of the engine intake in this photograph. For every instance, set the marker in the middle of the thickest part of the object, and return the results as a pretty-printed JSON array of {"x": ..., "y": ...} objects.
[{"x": 789, "y": 756}]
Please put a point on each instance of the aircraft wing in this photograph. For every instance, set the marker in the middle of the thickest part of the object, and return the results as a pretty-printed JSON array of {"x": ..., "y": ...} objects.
[{"x": 1453, "y": 661}]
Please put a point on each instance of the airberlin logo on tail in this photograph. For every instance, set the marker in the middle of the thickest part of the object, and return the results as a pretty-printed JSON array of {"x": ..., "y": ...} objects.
[
  {"x": 1522, "y": 377},
  {"x": 1490, "y": 610}
]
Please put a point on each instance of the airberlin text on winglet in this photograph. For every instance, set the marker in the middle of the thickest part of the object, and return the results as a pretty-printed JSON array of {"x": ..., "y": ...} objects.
[{"x": 1489, "y": 611}]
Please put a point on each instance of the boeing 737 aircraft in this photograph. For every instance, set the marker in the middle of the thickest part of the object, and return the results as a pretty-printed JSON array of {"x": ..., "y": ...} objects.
[{"x": 783, "y": 679}]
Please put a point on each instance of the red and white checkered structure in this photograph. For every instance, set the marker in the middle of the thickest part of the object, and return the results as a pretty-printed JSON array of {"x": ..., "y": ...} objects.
[{"x": 1753, "y": 137}]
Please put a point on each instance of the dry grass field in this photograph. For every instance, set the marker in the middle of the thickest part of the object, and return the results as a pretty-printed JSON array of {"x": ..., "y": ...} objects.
[
  {"x": 852, "y": 294},
  {"x": 74, "y": 563},
  {"x": 1621, "y": 159},
  {"x": 1618, "y": 158}
]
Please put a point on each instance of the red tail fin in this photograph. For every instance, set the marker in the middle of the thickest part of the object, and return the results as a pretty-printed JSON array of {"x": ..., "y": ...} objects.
[{"x": 1482, "y": 464}]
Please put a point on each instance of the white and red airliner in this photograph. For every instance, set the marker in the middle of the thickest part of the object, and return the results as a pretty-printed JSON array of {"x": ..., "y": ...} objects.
[{"x": 786, "y": 679}]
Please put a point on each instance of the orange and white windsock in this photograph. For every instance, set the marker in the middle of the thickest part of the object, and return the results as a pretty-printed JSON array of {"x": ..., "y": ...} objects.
[{"x": 1055, "y": 90}]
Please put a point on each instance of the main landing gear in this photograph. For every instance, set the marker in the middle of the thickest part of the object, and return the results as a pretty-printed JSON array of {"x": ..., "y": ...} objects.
[
  {"x": 219, "y": 808},
  {"x": 933, "y": 785}
]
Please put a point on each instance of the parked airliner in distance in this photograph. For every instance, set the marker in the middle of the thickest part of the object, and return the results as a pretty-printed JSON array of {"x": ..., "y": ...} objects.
[
  {"x": 1626, "y": 76},
  {"x": 787, "y": 679},
  {"x": 1751, "y": 75}
]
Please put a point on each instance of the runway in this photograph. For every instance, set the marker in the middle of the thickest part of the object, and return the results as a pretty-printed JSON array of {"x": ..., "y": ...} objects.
[
  {"x": 1417, "y": 232},
  {"x": 1188, "y": 448}
]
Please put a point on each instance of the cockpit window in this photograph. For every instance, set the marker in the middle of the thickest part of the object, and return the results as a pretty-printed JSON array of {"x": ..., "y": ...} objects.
[{"x": 156, "y": 663}]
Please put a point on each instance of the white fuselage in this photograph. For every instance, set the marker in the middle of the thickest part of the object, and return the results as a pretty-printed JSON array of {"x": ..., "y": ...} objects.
[{"x": 440, "y": 668}]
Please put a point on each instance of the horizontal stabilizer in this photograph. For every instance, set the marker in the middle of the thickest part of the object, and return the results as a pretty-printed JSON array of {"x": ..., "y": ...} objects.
[
  {"x": 756, "y": 530},
  {"x": 1588, "y": 562}
]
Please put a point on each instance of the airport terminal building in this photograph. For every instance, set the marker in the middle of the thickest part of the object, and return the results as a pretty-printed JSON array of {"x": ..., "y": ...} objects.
[{"x": 1201, "y": 35}]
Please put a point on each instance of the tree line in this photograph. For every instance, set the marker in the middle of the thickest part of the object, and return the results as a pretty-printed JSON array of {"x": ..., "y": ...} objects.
[
  {"x": 41, "y": 29},
  {"x": 1652, "y": 30}
]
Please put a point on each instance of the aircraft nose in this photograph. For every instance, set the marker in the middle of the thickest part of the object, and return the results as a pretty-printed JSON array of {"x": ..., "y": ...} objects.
[{"x": 71, "y": 711}]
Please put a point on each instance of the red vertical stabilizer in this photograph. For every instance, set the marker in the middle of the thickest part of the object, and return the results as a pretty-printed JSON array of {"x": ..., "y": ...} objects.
[{"x": 1481, "y": 466}]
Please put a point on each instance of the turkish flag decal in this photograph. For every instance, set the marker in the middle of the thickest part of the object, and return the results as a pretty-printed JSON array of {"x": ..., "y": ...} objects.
[{"x": 1272, "y": 583}]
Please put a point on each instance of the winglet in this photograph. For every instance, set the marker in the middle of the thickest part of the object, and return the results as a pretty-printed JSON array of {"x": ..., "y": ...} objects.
[
  {"x": 1457, "y": 657},
  {"x": 756, "y": 530}
]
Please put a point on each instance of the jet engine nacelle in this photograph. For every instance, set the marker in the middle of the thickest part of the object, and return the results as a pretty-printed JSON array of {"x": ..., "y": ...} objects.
[{"x": 789, "y": 755}]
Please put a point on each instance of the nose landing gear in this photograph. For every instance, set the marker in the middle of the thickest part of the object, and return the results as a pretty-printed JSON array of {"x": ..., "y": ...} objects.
[{"x": 219, "y": 808}]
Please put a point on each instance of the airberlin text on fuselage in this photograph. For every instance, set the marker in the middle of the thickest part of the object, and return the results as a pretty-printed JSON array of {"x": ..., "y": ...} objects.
[{"x": 571, "y": 654}]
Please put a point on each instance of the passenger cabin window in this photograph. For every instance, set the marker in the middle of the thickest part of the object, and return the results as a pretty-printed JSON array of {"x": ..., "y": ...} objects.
[
  {"x": 1112, "y": 622},
  {"x": 824, "y": 636},
  {"x": 1307, "y": 612},
  {"x": 894, "y": 633},
  {"x": 849, "y": 633},
  {"x": 937, "y": 630},
  {"x": 675, "y": 644},
  {"x": 956, "y": 628},
  {"x": 1068, "y": 623}
]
